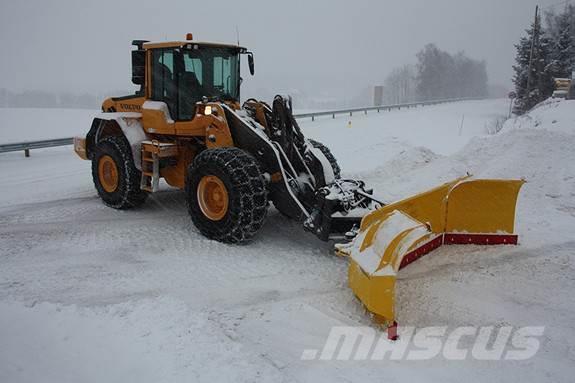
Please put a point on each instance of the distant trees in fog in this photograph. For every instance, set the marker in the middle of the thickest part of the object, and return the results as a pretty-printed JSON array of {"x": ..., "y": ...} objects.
[
  {"x": 400, "y": 86},
  {"x": 437, "y": 75},
  {"x": 43, "y": 99}
]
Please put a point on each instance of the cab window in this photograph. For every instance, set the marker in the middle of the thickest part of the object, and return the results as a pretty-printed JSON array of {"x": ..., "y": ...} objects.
[
  {"x": 164, "y": 86},
  {"x": 190, "y": 85}
]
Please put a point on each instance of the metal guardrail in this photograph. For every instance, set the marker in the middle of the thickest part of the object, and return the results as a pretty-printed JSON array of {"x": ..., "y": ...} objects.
[
  {"x": 27, "y": 146},
  {"x": 350, "y": 111}
]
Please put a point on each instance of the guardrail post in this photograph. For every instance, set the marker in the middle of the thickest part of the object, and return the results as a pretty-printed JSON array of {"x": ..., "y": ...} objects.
[
  {"x": 312, "y": 117},
  {"x": 333, "y": 116},
  {"x": 27, "y": 152},
  {"x": 365, "y": 111}
]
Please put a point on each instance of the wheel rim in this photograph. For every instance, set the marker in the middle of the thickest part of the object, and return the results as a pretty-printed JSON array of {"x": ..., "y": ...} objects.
[
  {"x": 213, "y": 197},
  {"x": 108, "y": 173}
]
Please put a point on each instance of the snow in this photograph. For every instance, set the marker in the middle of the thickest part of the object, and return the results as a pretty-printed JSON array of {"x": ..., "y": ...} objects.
[
  {"x": 146, "y": 341},
  {"x": 93, "y": 294},
  {"x": 375, "y": 138},
  {"x": 161, "y": 106},
  {"x": 396, "y": 223}
]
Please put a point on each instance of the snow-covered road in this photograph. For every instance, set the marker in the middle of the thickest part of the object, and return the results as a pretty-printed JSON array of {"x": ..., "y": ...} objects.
[{"x": 91, "y": 294}]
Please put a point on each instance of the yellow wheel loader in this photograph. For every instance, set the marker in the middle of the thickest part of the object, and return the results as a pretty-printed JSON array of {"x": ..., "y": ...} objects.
[{"x": 186, "y": 125}]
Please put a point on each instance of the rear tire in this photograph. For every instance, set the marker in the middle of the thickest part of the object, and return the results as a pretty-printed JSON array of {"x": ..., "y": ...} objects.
[
  {"x": 115, "y": 175},
  {"x": 330, "y": 157},
  {"x": 233, "y": 174}
]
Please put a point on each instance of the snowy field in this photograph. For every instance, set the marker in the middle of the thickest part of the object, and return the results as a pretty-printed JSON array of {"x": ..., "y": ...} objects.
[{"x": 90, "y": 294}]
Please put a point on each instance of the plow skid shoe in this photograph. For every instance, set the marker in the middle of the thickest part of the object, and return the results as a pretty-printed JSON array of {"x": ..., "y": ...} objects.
[{"x": 458, "y": 212}]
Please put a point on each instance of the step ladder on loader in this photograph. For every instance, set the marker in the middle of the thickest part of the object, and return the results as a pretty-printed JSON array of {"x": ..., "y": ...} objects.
[{"x": 152, "y": 152}]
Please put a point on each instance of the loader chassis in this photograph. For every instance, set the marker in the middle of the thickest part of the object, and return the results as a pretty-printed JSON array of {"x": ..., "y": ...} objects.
[{"x": 187, "y": 105}]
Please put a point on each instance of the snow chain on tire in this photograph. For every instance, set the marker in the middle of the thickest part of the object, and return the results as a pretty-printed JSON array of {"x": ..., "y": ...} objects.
[
  {"x": 246, "y": 190},
  {"x": 329, "y": 155},
  {"x": 128, "y": 193}
]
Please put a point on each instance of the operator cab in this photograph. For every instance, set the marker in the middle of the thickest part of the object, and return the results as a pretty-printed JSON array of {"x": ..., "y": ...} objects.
[{"x": 186, "y": 72}]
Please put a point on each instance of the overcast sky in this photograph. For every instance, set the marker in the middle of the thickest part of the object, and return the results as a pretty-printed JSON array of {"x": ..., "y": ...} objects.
[{"x": 83, "y": 46}]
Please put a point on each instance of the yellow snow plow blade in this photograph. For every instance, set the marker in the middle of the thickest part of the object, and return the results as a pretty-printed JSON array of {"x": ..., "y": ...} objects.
[{"x": 457, "y": 212}]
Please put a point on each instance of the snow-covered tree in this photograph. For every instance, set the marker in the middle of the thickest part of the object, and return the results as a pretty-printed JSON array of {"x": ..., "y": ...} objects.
[
  {"x": 553, "y": 21},
  {"x": 536, "y": 85},
  {"x": 563, "y": 46}
]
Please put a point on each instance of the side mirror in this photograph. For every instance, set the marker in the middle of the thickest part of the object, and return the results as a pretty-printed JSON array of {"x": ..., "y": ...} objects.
[
  {"x": 251, "y": 63},
  {"x": 138, "y": 67}
]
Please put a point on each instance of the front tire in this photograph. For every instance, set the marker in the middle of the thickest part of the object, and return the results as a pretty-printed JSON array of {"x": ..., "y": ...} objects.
[
  {"x": 115, "y": 175},
  {"x": 226, "y": 195}
]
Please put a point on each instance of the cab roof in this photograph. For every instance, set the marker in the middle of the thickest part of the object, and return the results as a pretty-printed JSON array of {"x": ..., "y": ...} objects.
[{"x": 190, "y": 43}]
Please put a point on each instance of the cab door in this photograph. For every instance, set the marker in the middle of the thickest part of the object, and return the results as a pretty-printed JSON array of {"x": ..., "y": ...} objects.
[{"x": 160, "y": 112}]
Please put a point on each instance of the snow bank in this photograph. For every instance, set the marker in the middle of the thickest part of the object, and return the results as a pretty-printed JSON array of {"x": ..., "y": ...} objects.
[
  {"x": 365, "y": 141},
  {"x": 537, "y": 147},
  {"x": 553, "y": 114}
]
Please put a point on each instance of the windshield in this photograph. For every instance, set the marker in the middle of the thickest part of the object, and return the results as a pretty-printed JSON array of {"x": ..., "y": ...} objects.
[
  {"x": 183, "y": 77},
  {"x": 212, "y": 72}
]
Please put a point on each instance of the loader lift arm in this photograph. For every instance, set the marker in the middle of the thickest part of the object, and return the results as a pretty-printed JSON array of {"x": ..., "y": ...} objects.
[{"x": 301, "y": 186}]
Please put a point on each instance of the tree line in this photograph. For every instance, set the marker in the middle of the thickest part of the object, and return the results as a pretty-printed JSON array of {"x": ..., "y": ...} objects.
[
  {"x": 544, "y": 53},
  {"x": 436, "y": 75}
]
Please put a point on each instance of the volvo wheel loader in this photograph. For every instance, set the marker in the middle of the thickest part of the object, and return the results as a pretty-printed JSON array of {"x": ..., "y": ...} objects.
[{"x": 186, "y": 125}]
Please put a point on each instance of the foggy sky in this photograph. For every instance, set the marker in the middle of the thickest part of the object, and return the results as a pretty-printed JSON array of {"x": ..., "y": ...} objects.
[{"x": 82, "y": 46}]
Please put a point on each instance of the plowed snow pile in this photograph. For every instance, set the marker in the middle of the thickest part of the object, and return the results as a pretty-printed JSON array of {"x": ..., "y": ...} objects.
[{"x": 538, "y": 147}]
